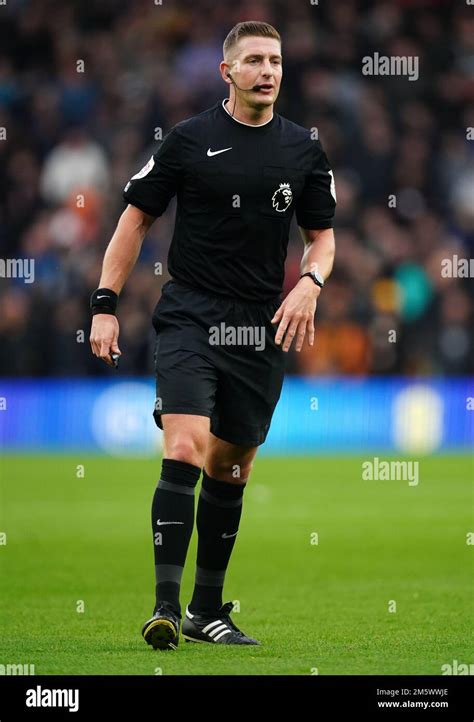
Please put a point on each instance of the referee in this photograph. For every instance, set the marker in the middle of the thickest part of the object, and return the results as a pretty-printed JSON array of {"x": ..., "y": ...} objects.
[{"x": 239, "y": 171}]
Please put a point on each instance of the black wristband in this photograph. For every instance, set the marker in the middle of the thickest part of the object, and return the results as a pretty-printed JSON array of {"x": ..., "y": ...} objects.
[{"x": 103, "y": 300}]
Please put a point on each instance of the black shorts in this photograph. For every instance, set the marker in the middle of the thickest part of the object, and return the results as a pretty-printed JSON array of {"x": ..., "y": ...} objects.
[{"x": 217, "y": 357}]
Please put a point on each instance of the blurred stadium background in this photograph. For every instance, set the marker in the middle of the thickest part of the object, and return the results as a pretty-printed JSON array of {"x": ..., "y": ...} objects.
[
  {"x": 360, "y": 390},
  {"x": 147, "y": 66}
]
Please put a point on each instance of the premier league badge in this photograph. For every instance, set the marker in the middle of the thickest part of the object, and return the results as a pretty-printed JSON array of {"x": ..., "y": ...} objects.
[{"x": 282, "y": 197}]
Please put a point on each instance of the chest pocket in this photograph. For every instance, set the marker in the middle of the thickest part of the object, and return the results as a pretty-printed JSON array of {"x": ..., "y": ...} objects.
[
  {"x": 216, "y": 187},
  {"x": 281, "y": 188}
]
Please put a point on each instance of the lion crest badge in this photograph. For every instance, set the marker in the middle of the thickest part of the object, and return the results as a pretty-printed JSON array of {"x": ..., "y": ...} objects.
[{"x": 282, "y": 197}]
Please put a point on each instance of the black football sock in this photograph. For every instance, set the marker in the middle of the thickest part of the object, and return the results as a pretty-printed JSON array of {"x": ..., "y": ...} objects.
[
  {"x": 172, "y": 518},
  {"x": 217, "y": 520}
]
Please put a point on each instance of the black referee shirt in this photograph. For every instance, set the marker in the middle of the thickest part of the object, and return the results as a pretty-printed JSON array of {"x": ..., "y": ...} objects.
[{"x": 237, "y": 186}]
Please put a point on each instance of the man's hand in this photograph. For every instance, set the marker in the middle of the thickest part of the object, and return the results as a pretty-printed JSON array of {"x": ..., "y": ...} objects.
[
  {"x": 296, "y": 314},
  {"x": 104, "y": 336}
]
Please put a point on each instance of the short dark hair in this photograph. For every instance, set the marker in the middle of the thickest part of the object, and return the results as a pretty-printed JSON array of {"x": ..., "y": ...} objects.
[{"x": 249, "y": 28}]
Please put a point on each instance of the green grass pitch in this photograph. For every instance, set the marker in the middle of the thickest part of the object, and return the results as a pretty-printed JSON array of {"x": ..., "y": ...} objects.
[{"x": 386, "y": 590}]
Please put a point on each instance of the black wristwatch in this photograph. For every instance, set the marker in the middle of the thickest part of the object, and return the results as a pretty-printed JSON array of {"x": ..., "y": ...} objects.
[{"x": 317, "y": 278}]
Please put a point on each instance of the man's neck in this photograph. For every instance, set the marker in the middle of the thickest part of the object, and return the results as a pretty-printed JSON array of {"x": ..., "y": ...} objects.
[{"x": 246, "y": 118}]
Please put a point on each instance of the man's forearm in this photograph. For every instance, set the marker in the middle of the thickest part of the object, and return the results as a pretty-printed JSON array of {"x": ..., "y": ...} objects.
[
  {"x": 124, "y": 248},
  {"x": 319, "y": 252}
]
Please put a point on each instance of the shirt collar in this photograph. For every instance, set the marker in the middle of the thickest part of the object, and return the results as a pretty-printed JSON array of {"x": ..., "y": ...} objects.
[{"x": 250, "y": 125}]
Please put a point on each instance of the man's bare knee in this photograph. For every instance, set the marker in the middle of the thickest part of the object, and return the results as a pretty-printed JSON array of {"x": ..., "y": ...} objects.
[
  {"x": 244, "y": 471},
  {"x": 234, "y": 473},
  {"x": 185, "y": 439},
  {"x": 186, "y": 450},
  {"x": 229, "y": 462}
]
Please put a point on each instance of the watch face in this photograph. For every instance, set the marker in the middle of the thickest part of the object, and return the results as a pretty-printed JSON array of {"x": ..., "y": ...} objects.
[{"x": 318, "y": 278}]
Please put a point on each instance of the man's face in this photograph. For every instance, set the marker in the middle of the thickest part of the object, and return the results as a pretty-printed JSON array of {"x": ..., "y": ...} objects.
[{"x": 257, "y": 61}]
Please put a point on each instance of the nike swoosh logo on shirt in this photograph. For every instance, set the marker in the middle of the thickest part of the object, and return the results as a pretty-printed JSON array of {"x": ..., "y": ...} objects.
[
  {"x": 227, "y": 536},
  {"x": 160, "y": 523},
  {"x": 215, "y": 152}
]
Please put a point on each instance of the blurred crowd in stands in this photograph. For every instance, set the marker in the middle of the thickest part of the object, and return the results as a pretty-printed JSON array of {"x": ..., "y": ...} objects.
[{"x": 85, "y": 85}]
